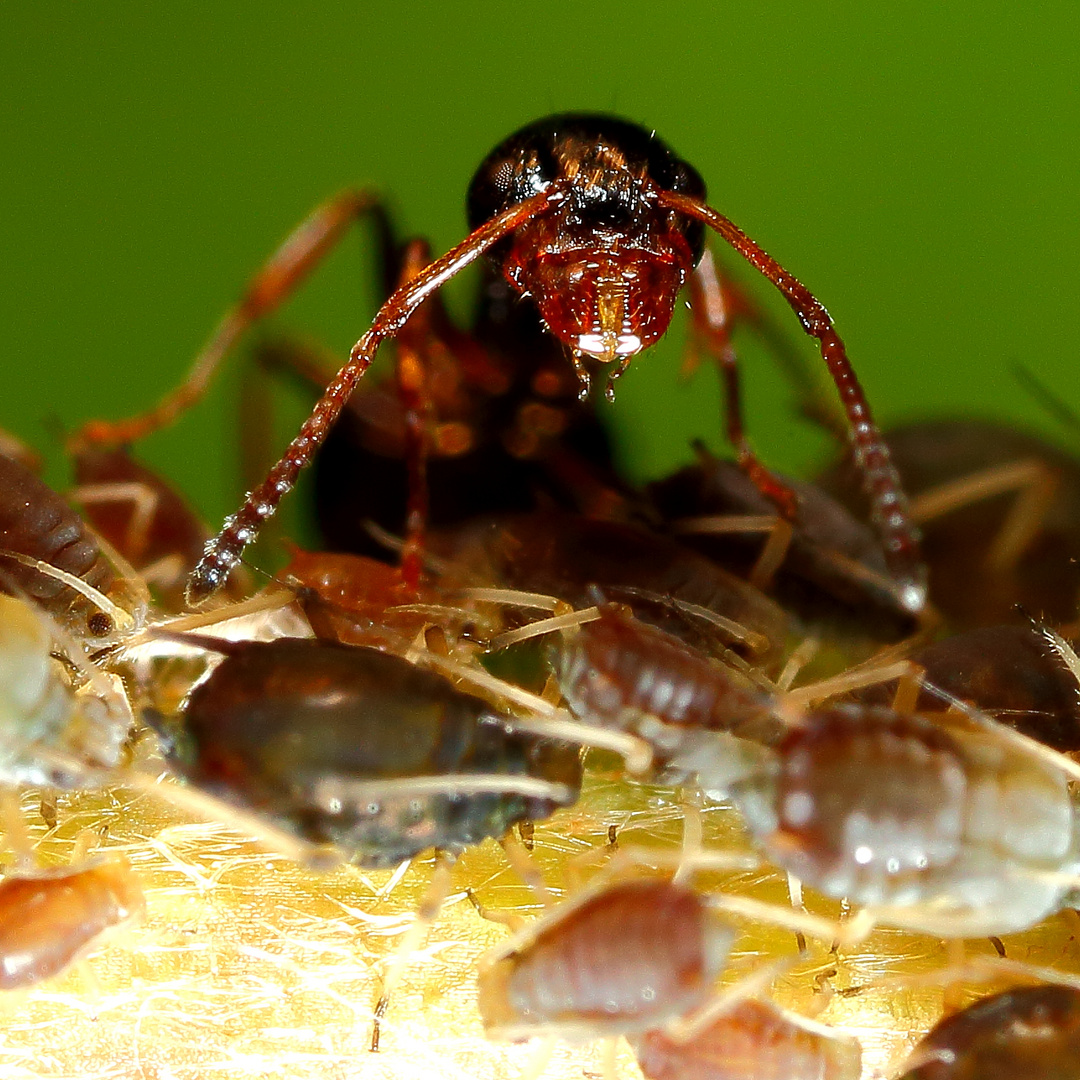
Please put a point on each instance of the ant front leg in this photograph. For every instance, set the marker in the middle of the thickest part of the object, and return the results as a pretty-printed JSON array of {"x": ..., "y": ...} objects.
[
  {"x": 223, "y": 552},
  {"x": 888, "y": 502},
  {"x": 303, "y": 249},
  {"x": 713, "y": 322}
]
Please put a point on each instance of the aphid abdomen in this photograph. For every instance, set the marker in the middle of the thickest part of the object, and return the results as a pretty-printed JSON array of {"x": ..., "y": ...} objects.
[
  {"x": 618, "y": 671},
  {"x": 753, "y": 1041},
  {"x": 624, "y": 960},
  {"x": 295, "y": 729},
  {"x": 47, "y": 920},
  {"x": 36, "y": 522},
  {"x": 1027, "y": 1033},
  {"x": 866, "y": 803}
]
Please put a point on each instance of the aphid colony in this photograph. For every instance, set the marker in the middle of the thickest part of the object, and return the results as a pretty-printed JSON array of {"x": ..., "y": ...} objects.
[{"x": 714, "y": 730}]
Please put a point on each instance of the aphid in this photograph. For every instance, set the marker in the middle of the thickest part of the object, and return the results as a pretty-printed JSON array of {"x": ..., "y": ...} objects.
[
  {"x": 951, "y": 832},
  {"x": 754, "y": 1040},
  {"x": 567, "y": 556},
  {"x": 144, "y": 519},
  {"x": 697, "y": 715},
  {"x": 51, "y": 917},
  {"x": 826, "y": 567},
  {"x": 364, "y": 750},
  {"x": 36, "y": 523},
  {"x": 1019, "y": 675},
  {"x": 51, "y": 735},
  {"x": 627, "y": 958},
  {"x": 1000, "y": 514},
  {"x": 601, "y": 225},
  {"x": 1027, "y": 1033}
]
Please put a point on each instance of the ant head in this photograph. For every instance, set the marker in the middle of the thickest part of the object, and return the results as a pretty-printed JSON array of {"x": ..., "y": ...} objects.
[{"x": 605, "y": 262}]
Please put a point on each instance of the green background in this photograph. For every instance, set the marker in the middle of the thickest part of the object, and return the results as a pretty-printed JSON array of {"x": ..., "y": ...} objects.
[{"x": 915, "y": 164}]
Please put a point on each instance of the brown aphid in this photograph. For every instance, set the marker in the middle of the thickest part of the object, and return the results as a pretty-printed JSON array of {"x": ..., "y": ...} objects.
[
  {"x": 50, "y": 918},
  {"x": 955, "y": 833},
  {"x": 1028, "y": 1033},
  {"x": 566, "y": 555},
  {"x": 1000, "y": 514},
  {"x": 37, "y": 523},
  {"x": 144, "y": 518},
  {"x": 619, "y": 672},
  {"x": 827, "y": 567},
  {"x": 625, "y": 959},
  {"x": 752, "y": 1041},
  {"x": 1019, "y": 675}
]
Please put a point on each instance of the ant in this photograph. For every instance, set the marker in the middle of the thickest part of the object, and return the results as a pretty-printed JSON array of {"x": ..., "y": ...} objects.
[{"x": 601, "y": 224}]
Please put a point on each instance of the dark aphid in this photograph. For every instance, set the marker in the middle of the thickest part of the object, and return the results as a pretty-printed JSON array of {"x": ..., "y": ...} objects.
[
  {"x": 143, "y": 518},
  {"x": 361, "y": 749},
  {"x": 628, "y": 958},
  {"x": 1000, "y": 514},
  {"x": 827, "y": 567},
  {"x": 37, "y": 523},
  {"x": 565, "y": 555},
  {"x": 1019, "y": 675},
  {"x": 601, "y": 225},
  {"x": 49, "y": 918},
  {"x": 752, "y": 1041},
  {"x": 1028, "y": 1033}
]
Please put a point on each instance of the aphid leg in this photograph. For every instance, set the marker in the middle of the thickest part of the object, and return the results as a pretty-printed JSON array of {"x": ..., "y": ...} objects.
[
  {"x": 850, "y": 932},
  {"x": 794, "y": 889},
  {"x": 609, "y": 1050},
  {"x": 303, "y": 249},
  {"x": 47, "y": 808},
  {"x": 908, "y": 688},
  {"x": 144, "y": 502},
  {"x": 223, "y": 552},
  {"x": 686, "y": 1028},
  {"x": 437, "y": 891},
  {"x": 1034, "y": 484},
  {"x": 888, "y": 503},
  {"x": 525, "y": 867},
  {"x": 712, "y": 321},
  {"x": 14, "y": 825},
  {"x": 800, "y": 656}
]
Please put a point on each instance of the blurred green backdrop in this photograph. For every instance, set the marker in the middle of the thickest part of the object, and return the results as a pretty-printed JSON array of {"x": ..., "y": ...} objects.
[{"x": 916, "y": 164}]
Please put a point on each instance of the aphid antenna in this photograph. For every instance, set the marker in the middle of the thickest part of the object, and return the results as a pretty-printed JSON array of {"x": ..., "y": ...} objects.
[
  {"x": 330, "y": 793},
  {"x": 547, "y": 719},
  {"x": 124, "y": 620},
  {"x": 568, "y": 621}
]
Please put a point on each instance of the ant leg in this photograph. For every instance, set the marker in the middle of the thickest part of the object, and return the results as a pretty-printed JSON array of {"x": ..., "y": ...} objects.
[
  {"x": 303, "y": 249},
  {"x": 223, "y": 552},
  {"x": 888, "y": 503},
  {"x": 712, "y": 321},
  {"x": 419, "y": 417}
]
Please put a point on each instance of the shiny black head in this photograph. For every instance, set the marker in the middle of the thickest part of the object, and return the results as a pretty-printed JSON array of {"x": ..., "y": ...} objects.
[{"x": 602, "y": 153}]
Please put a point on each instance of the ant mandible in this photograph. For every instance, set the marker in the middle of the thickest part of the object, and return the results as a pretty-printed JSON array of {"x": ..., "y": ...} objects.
[{"x": 601, "y": 224}]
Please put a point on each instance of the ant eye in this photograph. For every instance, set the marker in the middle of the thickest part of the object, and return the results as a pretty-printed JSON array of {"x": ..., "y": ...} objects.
[{"x": 99, "y": 624}]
